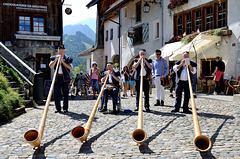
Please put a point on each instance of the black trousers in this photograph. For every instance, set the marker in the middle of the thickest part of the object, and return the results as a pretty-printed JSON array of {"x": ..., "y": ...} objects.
[
  {"x": 173, "y": 85},
  {"x": 180, "y": 86},
  {"x": 113, "y": 93},
  {"x": 220, "y": 84},
  {"x": 61, "y": 89},
  {"x": 145, "y": 90}
]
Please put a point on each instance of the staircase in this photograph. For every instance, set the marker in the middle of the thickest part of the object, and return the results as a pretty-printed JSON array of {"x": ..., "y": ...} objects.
[{"x": 22, "y": 89}]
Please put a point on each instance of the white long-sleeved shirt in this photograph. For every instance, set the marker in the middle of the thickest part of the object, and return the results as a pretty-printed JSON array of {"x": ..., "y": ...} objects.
[{"x": 183, "y": 76}]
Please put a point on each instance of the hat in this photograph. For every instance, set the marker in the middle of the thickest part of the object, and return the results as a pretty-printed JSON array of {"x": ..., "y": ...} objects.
[
  {"x": 94, "y": 63},
  {"x": 81, "y": 71},
  {"x": 61, "y": 47}
]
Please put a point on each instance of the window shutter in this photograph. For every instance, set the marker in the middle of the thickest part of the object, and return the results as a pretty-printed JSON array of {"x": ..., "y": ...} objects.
[{"x": 145, "y": 32}]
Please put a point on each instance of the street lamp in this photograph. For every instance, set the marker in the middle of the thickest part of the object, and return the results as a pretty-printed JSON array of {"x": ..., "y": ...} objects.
[{"x": 146, "y": 6}]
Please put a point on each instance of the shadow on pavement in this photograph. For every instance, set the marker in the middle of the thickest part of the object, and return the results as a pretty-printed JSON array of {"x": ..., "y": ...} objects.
[
  {"x": 208, "y": 154},
  {"x": 211, "y": 115},
  {"x": 86, "y": 146},
  {"x": 76, "y": 116},
  {"x": 40, "y": 153},
  {"x": 166, "y": 114},
  {"x": 144, "y": 149}
]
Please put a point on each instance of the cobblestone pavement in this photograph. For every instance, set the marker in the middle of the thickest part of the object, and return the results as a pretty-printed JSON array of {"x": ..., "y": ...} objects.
[{"x": 168, "y": 135}]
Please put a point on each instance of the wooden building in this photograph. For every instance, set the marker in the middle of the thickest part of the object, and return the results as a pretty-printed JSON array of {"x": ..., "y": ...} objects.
[{"x": 32, "y": 30}]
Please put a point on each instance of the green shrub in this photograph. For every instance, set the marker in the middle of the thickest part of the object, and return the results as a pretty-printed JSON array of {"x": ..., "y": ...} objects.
[
  {"x": 9, "y": 100},
  {"x": 14, "y": 76},
  {"x": 14, "y": 100},
  {"x": 3, "y": 82}
]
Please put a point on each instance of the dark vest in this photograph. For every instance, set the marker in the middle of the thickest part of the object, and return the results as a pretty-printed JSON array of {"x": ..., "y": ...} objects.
[
  {"x": 193, "y": 64},
  {"x": 68, "y": 60},
  {"x": 138, "y": 69},
  {"x": 117, "y": 74}
]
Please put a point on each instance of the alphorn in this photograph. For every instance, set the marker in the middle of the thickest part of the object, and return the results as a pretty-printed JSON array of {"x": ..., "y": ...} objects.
[
  {"x": 81, "y": 133},
  {"x": 139, "y": 135},
  {"x": 201, "y": 142},
  {"x": 34, "y": 137}
]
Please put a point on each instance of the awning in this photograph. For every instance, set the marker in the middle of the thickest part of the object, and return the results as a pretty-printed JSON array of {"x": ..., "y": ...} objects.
[
  {"x": 167, "y": 50},
  {"x": 196, "y": 46}
]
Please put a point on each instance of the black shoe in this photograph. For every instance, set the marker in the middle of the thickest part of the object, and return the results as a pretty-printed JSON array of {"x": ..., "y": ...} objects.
[
  {"x": 65, "y": 111},
  {"x": 147, "y": 109},
  {"x": 162, "y": 103},
  {"x": 171, "y": 95},
  {"x": 174, "y": 111},
  {"x": 113, "y": 112},
  {"x": 136, "y": 109},
  {"x": 58, "y": 111},
  {"x": 157, "y": 103},
  {"x": 103, "y": 110},
  {"x": 187, "y": 112}
]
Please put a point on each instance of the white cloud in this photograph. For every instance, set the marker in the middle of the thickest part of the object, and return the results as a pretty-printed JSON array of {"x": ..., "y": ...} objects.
[{"x": 79, "y": 11}]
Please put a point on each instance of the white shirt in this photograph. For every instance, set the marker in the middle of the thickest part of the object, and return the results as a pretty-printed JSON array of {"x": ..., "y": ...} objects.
[
  {"x": 183, "y": 76},
  {"x": 109, "y": 78},
  {"x": 60, "y": 71}
]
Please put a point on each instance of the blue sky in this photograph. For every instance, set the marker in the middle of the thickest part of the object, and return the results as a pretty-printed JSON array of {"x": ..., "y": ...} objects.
[{"x": 80, "y": 13}]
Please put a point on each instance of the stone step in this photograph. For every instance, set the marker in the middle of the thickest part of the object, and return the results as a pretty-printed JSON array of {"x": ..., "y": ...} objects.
[
  {"x": 19, "y": 111},
  {"x": 29, "y": 103}
]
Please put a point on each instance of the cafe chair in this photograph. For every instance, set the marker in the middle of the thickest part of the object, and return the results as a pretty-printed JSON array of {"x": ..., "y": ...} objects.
[
  {"x": 235, "y": 85},
  {"x": 209, "y": 85}
]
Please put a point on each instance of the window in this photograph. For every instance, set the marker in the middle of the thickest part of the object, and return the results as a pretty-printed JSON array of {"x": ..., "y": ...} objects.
[
  {"x": 157, "y": 30},
  {"x": 31, "y": 23},
  {"x": 125, "y": 12},
  {"x": 188, "y": 23},
  {"x": 198, "y": 24},
  {"x": 208, "y": 66},
  {"x": 222, "y": 15},
  {"x": 111, "y": 34},
  {"x": 138, "y": 36},
  {"x": 138, "y": 11},
  {"x": 209, "y": 18},
  {"x": 179, "y": 25},
  {"x": 106, "y": 35},
  {"x": 24, "y": 23},
  {"x": 38, "y": 24}
]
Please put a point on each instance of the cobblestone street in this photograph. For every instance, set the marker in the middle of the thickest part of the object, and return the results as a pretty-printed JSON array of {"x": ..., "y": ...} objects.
[{"x": 169, "y": 135}]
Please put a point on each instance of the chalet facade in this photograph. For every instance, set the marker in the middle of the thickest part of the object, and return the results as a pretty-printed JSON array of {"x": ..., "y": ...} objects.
[
  {"x": 156, "y": 29},
  {"x": 32, "y": 30}
]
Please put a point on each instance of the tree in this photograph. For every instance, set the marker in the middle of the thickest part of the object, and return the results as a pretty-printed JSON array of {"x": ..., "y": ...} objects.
[{"x": 77, "y": 69}]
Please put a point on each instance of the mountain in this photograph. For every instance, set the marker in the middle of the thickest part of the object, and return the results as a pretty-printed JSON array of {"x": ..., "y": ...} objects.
[
  {"x": 75, "y": 44},
  {"x": 72, "y": 29}
]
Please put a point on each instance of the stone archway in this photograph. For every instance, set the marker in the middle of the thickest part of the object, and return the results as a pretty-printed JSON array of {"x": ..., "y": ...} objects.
[{"x": 115, "y": 59}]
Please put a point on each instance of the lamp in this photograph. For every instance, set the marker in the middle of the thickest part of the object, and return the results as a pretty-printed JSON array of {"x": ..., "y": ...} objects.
[{"x": 146, "y": 6}]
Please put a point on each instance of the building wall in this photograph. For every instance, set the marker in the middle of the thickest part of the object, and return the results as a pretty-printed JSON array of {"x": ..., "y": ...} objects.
[
  {"x": 229, "y": 47},
  {"x": 25, "y": 43},
  {"x": 111, "y": 47},
  {"x": 98, "y": 56},
  {"x": 129, "y": 51}
]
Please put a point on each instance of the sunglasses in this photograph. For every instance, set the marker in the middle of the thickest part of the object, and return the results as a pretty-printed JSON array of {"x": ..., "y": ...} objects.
[{"x": 158, "y": 54}]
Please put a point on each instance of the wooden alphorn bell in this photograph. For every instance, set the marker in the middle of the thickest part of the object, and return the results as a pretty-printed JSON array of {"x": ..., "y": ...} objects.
[
  {"x": 81, "y": 133},
  {"x": 201, "y": 142},
  {"x": 139, "y": 135},
  {"x": 34, "y": 137}
]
